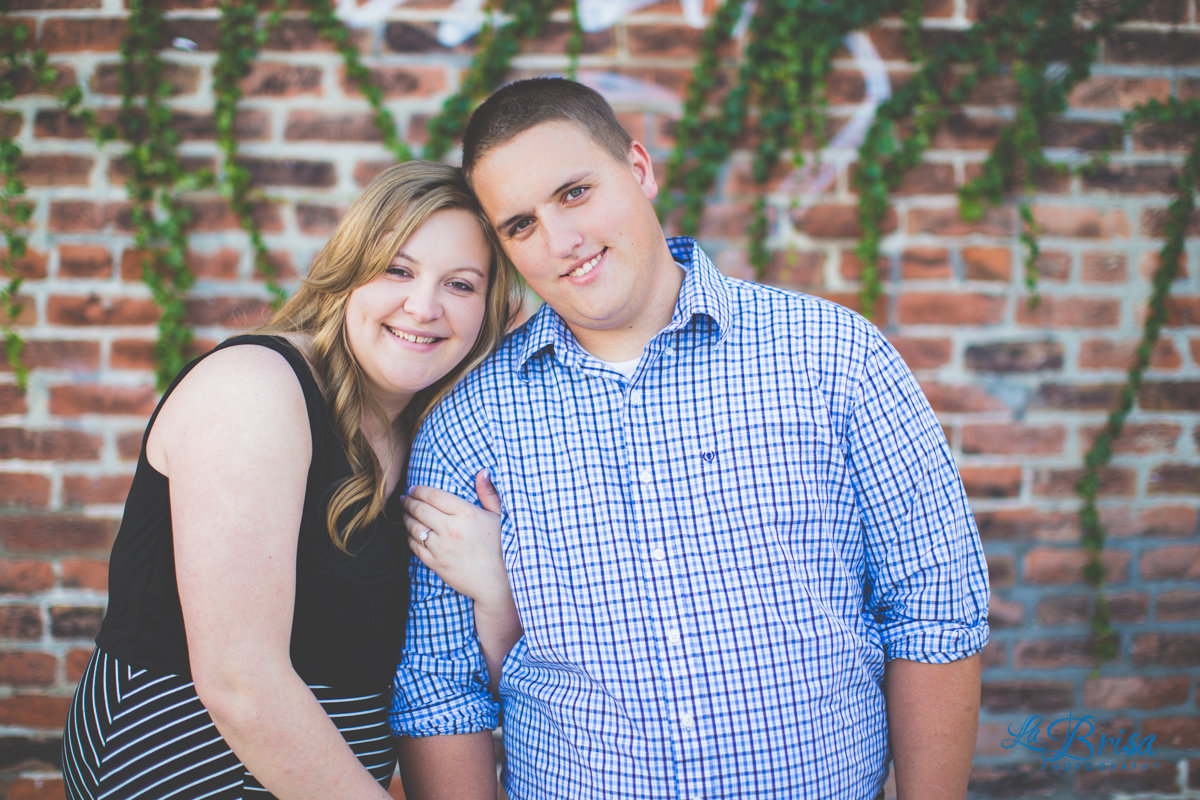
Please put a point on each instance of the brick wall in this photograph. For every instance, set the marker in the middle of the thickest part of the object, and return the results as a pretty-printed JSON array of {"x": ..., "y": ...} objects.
[{"x": 1020, "y": 392}]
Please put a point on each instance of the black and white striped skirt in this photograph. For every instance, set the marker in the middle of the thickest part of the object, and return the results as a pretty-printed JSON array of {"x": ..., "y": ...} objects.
[{"x": 136, "y": 733}]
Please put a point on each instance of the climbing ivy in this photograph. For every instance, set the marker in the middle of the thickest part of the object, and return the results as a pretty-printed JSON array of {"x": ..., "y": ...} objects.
[
  {"x": 1184, "y": 116},
  {"x": 240, "y": 37}
]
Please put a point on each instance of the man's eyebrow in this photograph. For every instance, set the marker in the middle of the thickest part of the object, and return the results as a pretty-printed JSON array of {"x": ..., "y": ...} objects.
[{"x": 576, "y": 178}]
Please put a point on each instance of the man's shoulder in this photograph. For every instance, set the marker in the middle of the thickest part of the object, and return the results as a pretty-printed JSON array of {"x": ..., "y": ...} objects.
[
  {"x": 816, "y": 322},
  {"x": 490, "y": 382}
]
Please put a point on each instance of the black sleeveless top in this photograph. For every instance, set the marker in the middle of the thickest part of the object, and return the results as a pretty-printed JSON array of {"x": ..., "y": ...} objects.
[{"x": 348, "y": 624}]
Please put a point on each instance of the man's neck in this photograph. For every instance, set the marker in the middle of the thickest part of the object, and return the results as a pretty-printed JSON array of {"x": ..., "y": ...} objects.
[{"x": 626, "y": 343}]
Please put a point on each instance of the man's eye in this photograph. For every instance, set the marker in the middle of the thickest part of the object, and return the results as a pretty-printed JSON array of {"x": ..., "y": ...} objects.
[{"x": 520, "y": 226}]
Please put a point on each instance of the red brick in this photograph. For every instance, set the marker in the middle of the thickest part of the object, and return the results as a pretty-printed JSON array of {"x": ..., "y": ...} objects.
[
  {"x": 129, "y": 445},
  {"x": 1105, "y": 268},
  {"x": 75, "y": 622},
  {"x": 71, "y": 216},
  {"x": 826, "y": 221},
  {"x": 1059, "y": 566},
  {"x": 75, "y": 400},
  {"x": 1002, "y": 570},
  {"x": 1177, "y": 606},
  {"x": 1080, "y": 135},
  {"x": 408, "y": 81},
  {"x": 1150, "y": 776},
  {"x": 275, "y": 79},
  {"x": 1132, "y": 178},
  {"x": 1015, "y": 356},
  {"x": 57, "y": 533},
  {"x": 77, "y": 662},
  {"x": 787, "y": 267},
  {"x": 11, "y": 123},
  {"x": 1110, "y": 91},
  {"x": 927, "y": 179},
  {"x": 1025, "y": 524},
  {"x": 961, "y": 399},
  {"x": 1013, "y": 439},
  {"x": 24, "y": 490},
  {"x": 84, "y": 261},
  {"x": 290, "y": 172},
  {"x": 49, "y": 445},
  {"x": 1154, "y": 223},
  {"x": 1177, "y": 733},
  {"x": 740, "y": 179},
  {"x": 20, "y": 623},
  {"x": 82, "y": 573},
  {"x": 1081, "y": 222},
  {"x": 318, "y": 220},
  {"x": 1174, "y": 522},
  {"x": 1150, "y": 437},
  {"x": 1171, "y": 563},
  {"x": 1053, "y": 653},
  {"x": 998, "y": 221},
  {"x": 32, "y": 265},
  {"x": 26, "y": 669},
  {"x": 36, "y": 789},
  {"x": 991, "y": 482},
  {"x": 852, "y": 269},
  {"x": 987, "y": 263},
  {"x": 922, "y": 353},
  {"x": 139, "y": 353},
  {"x": 1173, "y": 48},
  {"x": 1183, "y": 311},
  {"x": 963, "y": 132},
  {"x": 1174, "y": 479},
  {"x": 307, "y": 125},
  {"x": 1000, "y": 697},
  {"x": 1052, "y": 265},
  {"x": 104, "y": 311},
  {"x": 553, "y": 41},
  {"x": 1166, "y": 649},
  {"x": 84, "y": 489},
  {"x": 1114, "y": 482},
  {"x": 1071, "y": 312},
  {"x": 25, "y": 577},
  {"x": 663, "y": 41},
  {"x": 215, "y": 215},
  {"x": 1076, "y": 397},
  {"x": 949, "y": 308},
  {"x": 57, "y": 169},
  {"x": 77, "y": 356},
  {"x": 367, "y": 171},
  {"x": 297, "y": 35},
  {"x": 12, "y": 399},
  {"x": 77, "y": 34},
  {"x": 1004, "y": 613},
  {"x": 925, "y": 263},
  {"x": 1170, "y": 396},
  {"x": 34, "y": 711},
  {"x": 248, "y": 125},
  {"x": 228, "y": 312},
  {"x": 203, "y": 33},
  {"x": 993, "y": 656},
  {"x": 55, "y": 123},
  {"x": 182, "y": 78}
]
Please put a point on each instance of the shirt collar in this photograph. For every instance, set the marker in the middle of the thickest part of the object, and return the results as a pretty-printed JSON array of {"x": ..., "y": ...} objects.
[{"x": 705, "y": 292}]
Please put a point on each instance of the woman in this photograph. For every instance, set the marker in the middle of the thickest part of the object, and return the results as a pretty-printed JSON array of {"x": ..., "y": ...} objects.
[{"x": 259, "y": 582}]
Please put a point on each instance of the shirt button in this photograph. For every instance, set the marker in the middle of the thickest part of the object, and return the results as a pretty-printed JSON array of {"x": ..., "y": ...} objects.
[
  {"x": 668, "y": 351},
  {"x": 673, "y": 636},
  {"x": 645, "y": 476},
  {"x": 687, "y": 721},
  {"x": 658, "y": 554},
  {"x": 635, "y": 397}
]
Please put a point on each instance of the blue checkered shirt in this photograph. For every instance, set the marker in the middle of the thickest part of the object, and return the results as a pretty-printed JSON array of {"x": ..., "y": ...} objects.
[{"x": 712, "y": 561}]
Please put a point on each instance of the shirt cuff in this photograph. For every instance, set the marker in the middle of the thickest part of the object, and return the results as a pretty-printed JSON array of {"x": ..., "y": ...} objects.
[{"x": 934, "y": 643}]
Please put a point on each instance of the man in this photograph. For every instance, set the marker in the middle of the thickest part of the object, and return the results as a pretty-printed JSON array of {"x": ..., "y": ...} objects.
[{"x": 736, "y": 539}]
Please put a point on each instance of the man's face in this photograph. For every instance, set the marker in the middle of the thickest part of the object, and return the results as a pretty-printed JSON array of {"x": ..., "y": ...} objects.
[{"x": 580, "y": 228}]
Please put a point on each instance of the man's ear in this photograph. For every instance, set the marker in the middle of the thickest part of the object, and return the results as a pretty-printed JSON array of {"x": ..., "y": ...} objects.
[{"x": 643, "y": 170}]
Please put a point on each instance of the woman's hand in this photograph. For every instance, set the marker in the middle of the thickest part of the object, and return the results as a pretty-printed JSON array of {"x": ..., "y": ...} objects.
[
  {"x": 459, "y": 540},
  {"x": 461, "y": 543}
]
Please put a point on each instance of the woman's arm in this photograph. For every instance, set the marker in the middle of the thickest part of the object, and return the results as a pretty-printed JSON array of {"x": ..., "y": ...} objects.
[
  {"x": 234, "y": 440},
  {"x": 462, "y": 546}
]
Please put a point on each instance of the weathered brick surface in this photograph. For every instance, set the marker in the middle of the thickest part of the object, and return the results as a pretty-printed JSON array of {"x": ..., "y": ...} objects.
[{"x": 1021, "y": 392}]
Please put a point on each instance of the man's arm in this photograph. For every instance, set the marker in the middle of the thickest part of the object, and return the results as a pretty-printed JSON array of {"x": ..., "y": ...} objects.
[
  {"x": 933, "y": 716},
  {"x": 460, "y": 767}
]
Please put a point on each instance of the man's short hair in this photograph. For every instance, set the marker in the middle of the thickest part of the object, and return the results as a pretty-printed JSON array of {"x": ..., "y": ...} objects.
[{"x": 522, "y": 105}]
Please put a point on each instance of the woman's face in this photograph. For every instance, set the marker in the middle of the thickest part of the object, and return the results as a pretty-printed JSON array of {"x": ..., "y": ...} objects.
[{"x": 412, "y": 324}]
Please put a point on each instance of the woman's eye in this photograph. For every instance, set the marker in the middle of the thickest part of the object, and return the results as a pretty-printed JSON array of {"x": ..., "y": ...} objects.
[
  {"x": 398, "y": 271},
  {"x": 462, "y": 286},
  {"x": 575, "y": 192}
]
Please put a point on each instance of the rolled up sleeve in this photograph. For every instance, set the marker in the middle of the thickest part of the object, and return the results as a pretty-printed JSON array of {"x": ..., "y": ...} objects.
[
  {"x": 441, "y": 682},
  {"x": 926, "y": 572}
]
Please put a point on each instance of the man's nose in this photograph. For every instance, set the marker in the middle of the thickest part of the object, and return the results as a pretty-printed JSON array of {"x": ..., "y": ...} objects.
[{"x": 561, "y": 236}]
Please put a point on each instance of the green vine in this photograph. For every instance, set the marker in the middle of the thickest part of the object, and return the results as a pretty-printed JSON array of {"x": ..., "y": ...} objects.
[
  {"x": 574, "y": 41},
  {"x": 240, "y": 39},
  {"x": 155, "y": 175},
  {"x": 1184, "y": 114}
]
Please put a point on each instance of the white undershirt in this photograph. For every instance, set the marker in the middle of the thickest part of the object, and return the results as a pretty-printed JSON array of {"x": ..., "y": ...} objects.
[{"x": 626, "y": 368}]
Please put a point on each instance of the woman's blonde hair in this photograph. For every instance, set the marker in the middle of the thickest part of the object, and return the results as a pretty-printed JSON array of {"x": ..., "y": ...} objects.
[{"x": 362, "y": 246}]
